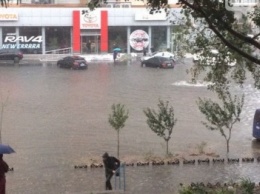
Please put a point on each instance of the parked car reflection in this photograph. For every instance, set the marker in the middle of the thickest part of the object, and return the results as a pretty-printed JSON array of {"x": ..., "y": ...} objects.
[
  {"x": 158, "y": 62},
  {"x": 72, "y": 62}
]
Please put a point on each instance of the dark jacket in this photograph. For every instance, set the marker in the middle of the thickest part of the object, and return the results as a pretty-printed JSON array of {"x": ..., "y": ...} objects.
[
  {"x": 3, "y": 168},
  {"x": 111, "y": 163}
]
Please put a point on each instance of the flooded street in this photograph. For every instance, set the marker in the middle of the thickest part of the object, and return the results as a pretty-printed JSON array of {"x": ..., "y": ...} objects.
[{"x": 57, "y": 118}]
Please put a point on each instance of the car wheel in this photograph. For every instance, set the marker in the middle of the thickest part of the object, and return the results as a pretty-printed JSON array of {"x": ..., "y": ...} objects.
[
  {"x": 143, "y": 65},
  {"x": 16, "y": 60}
]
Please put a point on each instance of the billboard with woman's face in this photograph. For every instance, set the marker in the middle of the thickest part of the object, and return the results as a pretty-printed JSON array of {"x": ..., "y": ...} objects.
[{"x": 139, "y": 40}]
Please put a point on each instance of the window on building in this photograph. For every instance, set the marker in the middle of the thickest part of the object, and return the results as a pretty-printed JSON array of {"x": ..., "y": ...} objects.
[
  {"x": 30, "y": 40},
  {"x": 159, "y": 38},
  {"x": 117, "y": 37},
  {"x": 9, "y": 38},
  {"x": 57, "y": 38},
  {"x": 116, "y": 6}
]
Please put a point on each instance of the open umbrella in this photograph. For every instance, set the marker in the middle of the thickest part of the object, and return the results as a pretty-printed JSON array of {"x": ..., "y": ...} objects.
[
  {"x": 6, "y": 149},
  {"x": 117, "y": 49}
]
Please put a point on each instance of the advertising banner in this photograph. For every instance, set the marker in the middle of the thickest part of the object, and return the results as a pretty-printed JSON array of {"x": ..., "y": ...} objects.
[
  {"x": 139, "y": 40},
  {"x": 11, "y": 41},
  {"x": 8, "y": 16}
]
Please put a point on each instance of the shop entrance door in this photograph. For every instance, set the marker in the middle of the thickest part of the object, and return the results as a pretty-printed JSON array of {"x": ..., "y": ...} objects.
[{"x": 90, "y": 44}]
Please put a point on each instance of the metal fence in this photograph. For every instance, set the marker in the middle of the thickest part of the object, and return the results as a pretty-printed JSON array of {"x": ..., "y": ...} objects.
[
  {"x": 120, "y": 179},
  {"x": 54, "y": 55}
]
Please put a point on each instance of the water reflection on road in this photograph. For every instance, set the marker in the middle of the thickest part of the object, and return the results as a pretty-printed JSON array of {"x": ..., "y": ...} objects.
[{"x": 56, "y": 118}]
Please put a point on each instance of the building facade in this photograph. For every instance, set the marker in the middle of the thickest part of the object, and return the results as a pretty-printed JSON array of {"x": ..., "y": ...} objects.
[{"x": 42, "y": 29}]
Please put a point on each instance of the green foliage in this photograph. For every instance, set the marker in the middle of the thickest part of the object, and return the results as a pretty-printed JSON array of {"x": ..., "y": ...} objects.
[
  {"x": 222, "y": 117},
  {"x": 161, "y": 122},
  {"x": 117, "y": 120},
  {"x": 199, "y": 189},
  {"x": 209, "y": 25},
  {"x": 118, "y": 117},
  {"x": 247, "y": 186},
  {"x": 201, "y": 147}
]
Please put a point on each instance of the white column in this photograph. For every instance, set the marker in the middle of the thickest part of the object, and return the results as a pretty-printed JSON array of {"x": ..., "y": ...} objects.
[
  {"x": 128, "y": 41},
  {"x": 17, "y": 34},
  {"x": 150, "y": 39},
  {"x": 43, "y": 40},
  {"x": 71, "y": 40},
  {"x": 1, "y": 37},
  {"x": 168, "y": 41}
]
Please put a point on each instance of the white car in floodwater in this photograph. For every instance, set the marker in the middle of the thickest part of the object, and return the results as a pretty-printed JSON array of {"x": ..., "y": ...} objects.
[
  {"x": 165, "y": 54},
  {"x": 211, "y": 60}
]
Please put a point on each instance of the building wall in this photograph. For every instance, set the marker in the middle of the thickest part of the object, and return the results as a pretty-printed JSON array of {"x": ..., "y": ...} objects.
[
  {"x": 63, "y": 17},
  {"x": 57, "y": 28}
]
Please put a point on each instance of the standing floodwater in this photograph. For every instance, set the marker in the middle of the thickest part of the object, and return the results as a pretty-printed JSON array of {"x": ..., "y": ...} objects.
[{"x": 56, "y": 118}]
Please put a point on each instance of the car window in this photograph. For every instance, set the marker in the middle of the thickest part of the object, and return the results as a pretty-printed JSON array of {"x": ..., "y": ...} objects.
[
  {"x": 162, "y": 59},
  {"x": 155, "y": 59},
  {"x": 80, "y": 59},
  {"x": 66, "y": 58},
  {"x": 14, "y": 51},
  {"x": 2, "y": 51}
]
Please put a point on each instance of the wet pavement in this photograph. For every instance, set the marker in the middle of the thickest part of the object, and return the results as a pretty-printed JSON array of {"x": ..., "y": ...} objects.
[{"x": 57, "y": 118}]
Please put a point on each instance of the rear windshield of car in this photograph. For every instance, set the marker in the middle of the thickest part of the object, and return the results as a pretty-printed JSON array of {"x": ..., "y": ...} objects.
[
  {"x": 79, "y": 59},
  {"x": 163, "y": 59},
  {"x": 9, "y": 51}
]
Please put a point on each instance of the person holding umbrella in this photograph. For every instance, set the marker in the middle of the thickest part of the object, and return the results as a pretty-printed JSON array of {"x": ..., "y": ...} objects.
[
  {"x": 3, "y": 169},
  {"x": 115, "y": 52},
  {"x": 4, "y": 149}
]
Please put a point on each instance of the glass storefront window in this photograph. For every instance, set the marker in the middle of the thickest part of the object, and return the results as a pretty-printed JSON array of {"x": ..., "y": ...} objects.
[
  {"x": 8, "y": 42},
  {"x": 159, "y": 38},
  {"x": 57, "y": 38},
  {"x": 30, "y": 41},
  {"x": 117, "y": 36}
]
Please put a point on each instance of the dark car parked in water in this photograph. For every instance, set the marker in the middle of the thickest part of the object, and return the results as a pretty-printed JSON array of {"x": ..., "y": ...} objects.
[
  {"x": 14, "y": 55},
  {"x": 72, "y": 62},
  {"x": 158, "y": 62}
]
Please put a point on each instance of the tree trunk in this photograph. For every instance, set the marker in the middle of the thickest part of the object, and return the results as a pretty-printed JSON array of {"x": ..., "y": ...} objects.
[
  {"x": 167, "y": 147},
  {"x": 228, "y": 146},
  {"x": 118, "y": 144}
]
